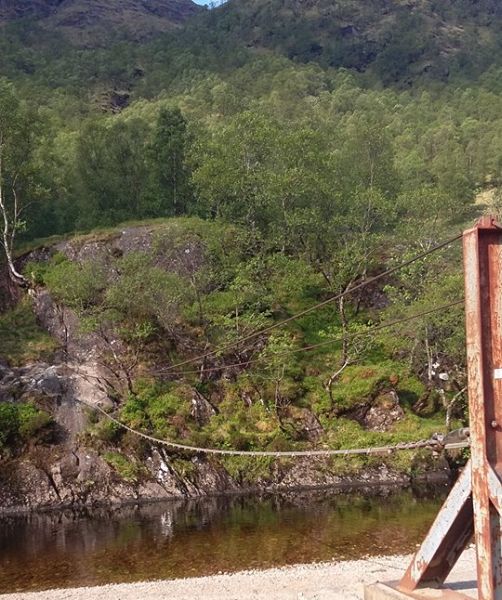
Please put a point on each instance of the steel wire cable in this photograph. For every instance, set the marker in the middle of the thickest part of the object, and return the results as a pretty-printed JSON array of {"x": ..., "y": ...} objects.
[
  {"x": 430, "y": 443},
  {"x": 316, "y": 306},
  {"x": 329, "y": 342}
]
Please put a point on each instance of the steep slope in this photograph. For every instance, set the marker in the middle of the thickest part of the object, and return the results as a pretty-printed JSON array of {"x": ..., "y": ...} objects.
[
  {"x": 91, "y": 22},
  {"x": 57, "y": 450},
  {"x": 390, "y": 41},
  {"x": 394, "y": 39},
  {"x": 11, "y": 9}
]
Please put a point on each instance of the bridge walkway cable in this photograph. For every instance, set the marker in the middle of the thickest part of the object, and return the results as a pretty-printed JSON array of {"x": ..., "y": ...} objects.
[{"x": 434, "y": 444}]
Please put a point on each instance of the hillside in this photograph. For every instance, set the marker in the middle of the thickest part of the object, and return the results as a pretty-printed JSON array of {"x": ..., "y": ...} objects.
[
  {"x": 117, "y": 308},
  {"x": 146, "y": 49},
  {"x": 168, "y": 197},
  {"x": 395, "y": 41},
  {"x": 96, "y": 22}
]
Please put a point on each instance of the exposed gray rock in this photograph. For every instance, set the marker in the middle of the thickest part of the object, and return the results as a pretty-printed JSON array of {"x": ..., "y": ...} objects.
[
  {"x": 319, "y": 472},
  {"x": 379, "y": 413},
  {"x": 302, "y": 422},
  {"x": 202, "y": 409},
  {"x": 384, "y": 412}
]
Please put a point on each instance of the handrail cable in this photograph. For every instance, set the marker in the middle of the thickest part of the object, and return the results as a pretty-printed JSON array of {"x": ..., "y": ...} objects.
[
  {"x": 356, "y": 334},
  {"x": 316, "y": 306}
]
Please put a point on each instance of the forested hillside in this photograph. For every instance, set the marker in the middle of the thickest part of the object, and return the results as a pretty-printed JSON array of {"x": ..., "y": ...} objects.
[
  {"x": 92, "y": 23},
  {"x": 177, "y": 195}
]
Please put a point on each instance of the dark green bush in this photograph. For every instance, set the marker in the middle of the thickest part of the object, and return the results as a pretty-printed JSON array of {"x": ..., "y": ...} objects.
[{"x": 20, "y": 422}]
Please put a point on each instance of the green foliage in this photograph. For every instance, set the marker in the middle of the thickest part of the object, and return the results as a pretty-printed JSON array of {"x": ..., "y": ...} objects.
[
  {"x": 243, "y": 427},
  {"x": 170, "y": 187},
  {"x": 362, "y": 382},
  {"x": 153, "y": 408},
  {"x": 143, "y": 294},
  {"x": 107, "y": 431},
  {"x": 111, "y": 171},
  {"x": 31, "y": 420},
  {"x": 128, "y": 469},
  {"x": 138, "y": 298},
  {"x": 20, "y": 423},
  {"x": 23, "y": 339},
  {"x": 79, "y": 286}
]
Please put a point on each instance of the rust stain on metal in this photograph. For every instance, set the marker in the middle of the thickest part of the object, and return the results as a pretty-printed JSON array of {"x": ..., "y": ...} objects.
[
  {"x": 475, "y": 502},
  {"x": 445, "y": 540},
  {"x": 483, "y": 277}
]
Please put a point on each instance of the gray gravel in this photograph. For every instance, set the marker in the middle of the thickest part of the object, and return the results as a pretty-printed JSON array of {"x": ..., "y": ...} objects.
[{"x": 325, "y": 581}]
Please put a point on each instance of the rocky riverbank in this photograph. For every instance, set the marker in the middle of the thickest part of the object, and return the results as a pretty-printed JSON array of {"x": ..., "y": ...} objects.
[{"x": 58, "y": 468}]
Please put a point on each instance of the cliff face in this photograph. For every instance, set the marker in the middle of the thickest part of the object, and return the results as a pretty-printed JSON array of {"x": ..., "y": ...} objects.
[{"x": 93, "y": 22}]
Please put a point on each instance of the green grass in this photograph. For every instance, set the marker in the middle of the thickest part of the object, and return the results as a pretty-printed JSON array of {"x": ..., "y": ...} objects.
[
  {"x": 128, "y": 469},
  {"x": 23, "y": 340}
]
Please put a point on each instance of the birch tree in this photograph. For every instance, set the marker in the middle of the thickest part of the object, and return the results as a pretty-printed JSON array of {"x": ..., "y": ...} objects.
[{"x": 15, "y": 145}]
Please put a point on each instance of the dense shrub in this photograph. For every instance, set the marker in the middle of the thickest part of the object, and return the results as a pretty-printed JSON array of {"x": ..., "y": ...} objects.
[{"x": 20, "y": 422}]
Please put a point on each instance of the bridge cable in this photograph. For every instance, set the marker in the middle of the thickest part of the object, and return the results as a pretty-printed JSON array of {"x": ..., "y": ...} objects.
[
  {"x": 329, "y": 342},
  {"x": 432, "y": 443},
  {"x": 316, "y": 306}
]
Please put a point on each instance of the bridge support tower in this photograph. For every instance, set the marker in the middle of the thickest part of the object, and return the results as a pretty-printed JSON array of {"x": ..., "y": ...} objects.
[{"x": 474, "y": 506}]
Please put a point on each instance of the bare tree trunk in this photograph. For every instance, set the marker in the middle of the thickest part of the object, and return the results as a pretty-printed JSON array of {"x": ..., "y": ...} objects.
[
  {"x": 277, "y": 394},
  {"x": 345, "y": 327},
  {"x": 450, "y": 406},
  {"x": 10, "y": 224},
  {"x": 333, "y": 378},
  {"x": 345, "y": 360}
]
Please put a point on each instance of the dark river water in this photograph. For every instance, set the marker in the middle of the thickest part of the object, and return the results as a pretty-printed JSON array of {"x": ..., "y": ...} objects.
[{"x": 183, "y": 539}]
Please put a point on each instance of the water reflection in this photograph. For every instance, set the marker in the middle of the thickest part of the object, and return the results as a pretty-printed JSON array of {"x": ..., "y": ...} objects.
[{"x": 182, "y": 539}]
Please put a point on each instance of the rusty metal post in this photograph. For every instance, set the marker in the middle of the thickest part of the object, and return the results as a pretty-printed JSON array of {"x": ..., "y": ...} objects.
[
  {"x": 475, "y": 503},
  {"x": 483, "y": 312}
]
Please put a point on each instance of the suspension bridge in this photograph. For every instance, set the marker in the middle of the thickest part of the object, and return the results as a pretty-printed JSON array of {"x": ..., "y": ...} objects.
[{"x": 474, "y": 506}]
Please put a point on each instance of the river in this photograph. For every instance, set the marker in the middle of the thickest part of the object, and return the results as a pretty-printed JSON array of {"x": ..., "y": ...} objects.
[{"x": 185, "y": 539}]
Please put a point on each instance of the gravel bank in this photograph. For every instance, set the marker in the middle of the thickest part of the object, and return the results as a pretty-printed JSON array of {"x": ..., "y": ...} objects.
[{"x": 327, "y": 581}]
